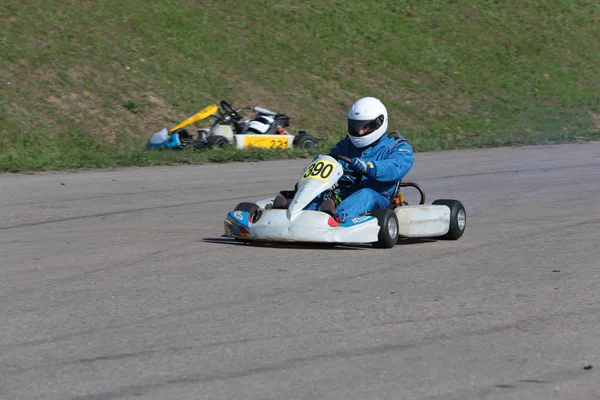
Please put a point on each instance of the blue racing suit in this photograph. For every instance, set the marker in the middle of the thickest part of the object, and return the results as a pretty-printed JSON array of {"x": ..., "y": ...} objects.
[{"x": 392, "y": 158}]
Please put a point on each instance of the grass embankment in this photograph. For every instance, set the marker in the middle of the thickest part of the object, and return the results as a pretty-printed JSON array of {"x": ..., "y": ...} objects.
[{"x": 85, "y": 83}]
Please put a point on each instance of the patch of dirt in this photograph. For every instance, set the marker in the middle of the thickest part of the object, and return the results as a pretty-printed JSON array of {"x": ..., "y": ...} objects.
[
  {"x": 596, "y": 118},
  {"x": 77, "y": 74}
]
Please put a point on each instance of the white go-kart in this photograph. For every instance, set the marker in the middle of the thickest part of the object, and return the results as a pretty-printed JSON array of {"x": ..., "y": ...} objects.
[
  {"x": 265, "y": 129},
  {"x": 267, "y": 221}
]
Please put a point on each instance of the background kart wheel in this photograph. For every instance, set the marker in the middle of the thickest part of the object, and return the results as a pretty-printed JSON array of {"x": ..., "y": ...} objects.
[
  {"x": 305, "y": 141},
  {"x": 250, "y": 208},
  {"x": 388, "y": 228},
  {"x": 458, "y": 218},
  {"x": 202, "y": 133},
  {"x": 217, "y": 141}
]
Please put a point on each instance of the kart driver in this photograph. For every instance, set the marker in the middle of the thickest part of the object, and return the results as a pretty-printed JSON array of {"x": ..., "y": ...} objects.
[{"x": 381, "y": 160}]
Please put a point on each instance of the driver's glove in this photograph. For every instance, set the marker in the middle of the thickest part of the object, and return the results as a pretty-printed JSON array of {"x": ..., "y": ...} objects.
[{"x": 365, "y": 168}]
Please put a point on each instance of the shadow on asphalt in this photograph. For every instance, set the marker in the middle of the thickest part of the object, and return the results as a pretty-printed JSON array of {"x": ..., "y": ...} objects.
[{"x": 307, "y": 245}]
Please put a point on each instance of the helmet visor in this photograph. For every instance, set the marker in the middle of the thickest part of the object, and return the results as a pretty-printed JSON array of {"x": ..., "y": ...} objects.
[{"x": 358, "y": 127}]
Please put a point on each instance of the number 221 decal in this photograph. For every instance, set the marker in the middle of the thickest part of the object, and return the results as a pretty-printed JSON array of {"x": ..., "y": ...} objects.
[{"x": 320, "y": 170}]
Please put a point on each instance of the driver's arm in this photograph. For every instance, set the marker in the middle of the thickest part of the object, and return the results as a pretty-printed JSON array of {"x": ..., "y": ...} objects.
[
  {"x": 339, "y": 148},
  {"x": 397, "y": 164}
]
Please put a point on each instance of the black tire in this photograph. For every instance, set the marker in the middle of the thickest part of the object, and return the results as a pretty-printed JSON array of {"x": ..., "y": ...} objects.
[
  {"x": 458, "y": 218},
  {"x": 388, "y": 228},
  {"x": 217, "y": 141},
  {"x": 250, "y": 208},
  {"x": 305, "y": 141},
  {"x": 280, "y": 202}
]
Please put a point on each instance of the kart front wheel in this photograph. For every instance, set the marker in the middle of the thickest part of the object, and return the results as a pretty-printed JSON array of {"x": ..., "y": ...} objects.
[
  {"x": 458, "y": 219},
  {"x": 217, "y": 141},
  {"x": 388, "y": 228},
  {"x": 250, "y": 208}
]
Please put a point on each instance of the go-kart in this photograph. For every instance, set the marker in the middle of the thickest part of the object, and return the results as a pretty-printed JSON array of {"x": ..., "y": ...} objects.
[
  {"x": 265, "y": 129},
  {"x": 269, "y": 220}
]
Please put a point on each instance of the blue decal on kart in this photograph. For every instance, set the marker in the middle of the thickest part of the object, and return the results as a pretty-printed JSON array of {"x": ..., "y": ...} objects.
[
  {"x": 239, "y": 217},
  {"x": 356, "y": 220}
]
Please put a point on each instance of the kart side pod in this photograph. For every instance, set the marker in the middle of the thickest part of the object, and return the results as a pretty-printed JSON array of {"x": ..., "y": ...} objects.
[
  {"x": 444, "y": 219},
  {"x": 423, "y": 221}
]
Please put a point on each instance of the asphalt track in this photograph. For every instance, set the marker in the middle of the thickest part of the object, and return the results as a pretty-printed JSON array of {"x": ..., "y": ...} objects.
[{"x": 117, "y": 284}]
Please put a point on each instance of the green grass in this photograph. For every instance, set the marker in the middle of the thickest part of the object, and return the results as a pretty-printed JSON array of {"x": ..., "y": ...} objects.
[{"x": 85, "y": 83}]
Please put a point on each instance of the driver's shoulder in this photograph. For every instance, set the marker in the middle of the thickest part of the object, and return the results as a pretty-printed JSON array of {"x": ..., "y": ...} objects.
[
  {"x": 398, "y": 142},
  {"x": 385, "y": 148},
  {"x": 342, "y": 147},
  {"x": 385, "y": 143}
]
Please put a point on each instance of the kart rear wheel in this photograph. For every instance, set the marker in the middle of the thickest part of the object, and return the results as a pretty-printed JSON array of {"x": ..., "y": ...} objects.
[
  {"x": 202, "y": 134},
  {"x": 388, "y": 228},
  {"x": 305, "y": 141},
  {"x": 458, "y": 218},
  {"x": 250, "y": 208},
  {"x": 217, "y": 141}
]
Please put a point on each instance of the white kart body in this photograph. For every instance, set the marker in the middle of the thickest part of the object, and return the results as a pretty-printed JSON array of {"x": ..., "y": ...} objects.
[{"x": 295, "y": 224}]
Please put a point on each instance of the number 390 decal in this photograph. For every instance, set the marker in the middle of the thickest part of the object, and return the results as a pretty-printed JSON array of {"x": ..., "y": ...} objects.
[{"x": 321, "y": 170}]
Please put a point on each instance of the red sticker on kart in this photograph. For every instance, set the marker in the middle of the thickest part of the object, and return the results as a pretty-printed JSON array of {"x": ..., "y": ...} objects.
[{"x": 321, "y": 170}]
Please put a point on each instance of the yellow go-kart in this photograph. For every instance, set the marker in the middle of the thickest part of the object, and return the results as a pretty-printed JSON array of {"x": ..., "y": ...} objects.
[{"x": 265, "y": 129}]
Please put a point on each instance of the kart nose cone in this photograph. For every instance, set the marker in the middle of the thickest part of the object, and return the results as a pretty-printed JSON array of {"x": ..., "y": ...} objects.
[
  {"x": 300, "y": 200},
  {"x": 294, "y": 208}
]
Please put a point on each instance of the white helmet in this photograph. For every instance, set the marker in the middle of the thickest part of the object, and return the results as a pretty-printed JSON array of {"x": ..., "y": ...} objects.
[{"x": 367, "y": 121}]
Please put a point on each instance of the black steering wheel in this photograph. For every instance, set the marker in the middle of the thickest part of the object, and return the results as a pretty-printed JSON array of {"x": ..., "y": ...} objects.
[
  {"x": 347, "y": 160},
  {"x": 341, "y": 158},
  {"x": 230, "y": 110}
]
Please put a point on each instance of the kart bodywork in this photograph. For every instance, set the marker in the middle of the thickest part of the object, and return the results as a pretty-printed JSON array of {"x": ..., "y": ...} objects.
[{"x": 265, "y": 221}]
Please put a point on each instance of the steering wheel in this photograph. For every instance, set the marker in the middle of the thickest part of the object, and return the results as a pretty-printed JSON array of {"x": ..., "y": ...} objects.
[
  {"x": 347, "y": 160},
  {"x": 341, "y": 158},
  {"x": 230, "y": 110}
]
